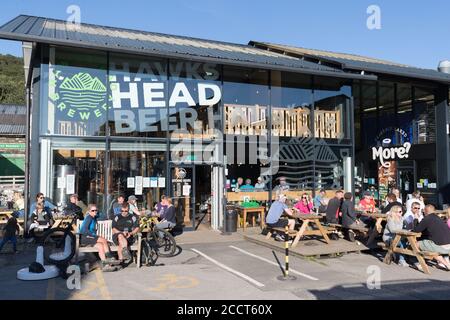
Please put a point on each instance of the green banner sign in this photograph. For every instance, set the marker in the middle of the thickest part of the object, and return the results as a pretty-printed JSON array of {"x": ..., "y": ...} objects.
[{"x": 12, "y": 145}]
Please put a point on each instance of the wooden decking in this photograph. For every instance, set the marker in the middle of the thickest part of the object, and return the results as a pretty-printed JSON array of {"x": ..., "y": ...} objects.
[{"x": 309, "y": 247}]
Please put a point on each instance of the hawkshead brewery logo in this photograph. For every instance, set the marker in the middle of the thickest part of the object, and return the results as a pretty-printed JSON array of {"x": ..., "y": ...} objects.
[{"x": 81, "y": 97}]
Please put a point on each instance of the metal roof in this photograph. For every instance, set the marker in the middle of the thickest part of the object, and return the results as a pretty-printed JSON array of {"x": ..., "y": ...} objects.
[
  {"x": 60, "y": 32},
  {"x": 13, "y": 119},
  {"x": 357, "y": 62}
]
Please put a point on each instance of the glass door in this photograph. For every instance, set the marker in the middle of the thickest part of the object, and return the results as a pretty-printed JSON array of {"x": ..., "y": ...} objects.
[{"x": 182, "y": 191}]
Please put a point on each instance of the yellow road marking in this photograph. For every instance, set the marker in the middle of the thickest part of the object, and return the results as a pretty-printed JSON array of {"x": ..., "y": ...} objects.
[{"x": 173, "y": 281}]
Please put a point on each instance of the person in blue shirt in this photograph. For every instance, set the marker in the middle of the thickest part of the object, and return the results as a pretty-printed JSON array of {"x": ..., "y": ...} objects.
[
  {"x": 89, "y": 237},
  {"x": 318, "y": 199},
  {"x": 276, "y": 210},
  {"x": 248, "y": 186},
  {"x": 48, "y": 206}
]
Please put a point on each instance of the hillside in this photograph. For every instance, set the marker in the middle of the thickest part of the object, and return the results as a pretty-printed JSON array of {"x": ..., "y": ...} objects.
[{"x": 12, "y": 81}]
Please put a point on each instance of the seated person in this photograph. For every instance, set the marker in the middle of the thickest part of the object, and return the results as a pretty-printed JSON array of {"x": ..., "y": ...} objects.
[
  {"x": 395, "y": 223},
  {"x": 247, "y": 186},
  {"x": 408, "y": 218},
  {"x": 319, "y": 201},
  {"x": 168, "y": 216},
  {"x": 435, "y": 235},
  {"x": 133, "y": 206},
  {"x": 125, "y": 227},
  {"x": 367, "y": 204},
  {"x": 349, "y": 217},
  {"x": 73, "y": 208},
  {"x": 239, "y": 183},
  {"x": 48, "y": 206},
  {"x": 277, "y": 208},
  {"x": 89, "y": 237},
  {"x": 334, "y": 207},
  {"x": 116, "y": 207},
  {"x": 161, "y": 207},
  {"x": 304, "y": 206},
  {"x": 40, "y": 220},
  {"x": 392, "y": 201},
  {"x": 260, "y": 185}
]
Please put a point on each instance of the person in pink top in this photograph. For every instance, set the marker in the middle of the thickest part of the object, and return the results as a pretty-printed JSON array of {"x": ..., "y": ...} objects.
[{"x": 305, "y": 205}]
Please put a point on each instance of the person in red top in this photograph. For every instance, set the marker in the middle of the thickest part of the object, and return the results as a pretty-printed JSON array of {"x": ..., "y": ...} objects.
[
  {"x": 367, "y": 204},
  {"x": 305, "y": 205}
]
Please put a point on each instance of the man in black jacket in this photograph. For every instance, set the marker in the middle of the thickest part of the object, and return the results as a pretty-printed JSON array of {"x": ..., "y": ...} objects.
[
  {"x": 435, "y": 234},
  {"x": 392, "y": 201}
]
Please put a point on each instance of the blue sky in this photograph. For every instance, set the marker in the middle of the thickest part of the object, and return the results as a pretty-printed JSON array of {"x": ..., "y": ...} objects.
[{"x": 414, "y": 33}]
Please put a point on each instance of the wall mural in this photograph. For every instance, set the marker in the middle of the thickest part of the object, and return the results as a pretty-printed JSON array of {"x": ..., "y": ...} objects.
[{"x": 299, "y": 155}]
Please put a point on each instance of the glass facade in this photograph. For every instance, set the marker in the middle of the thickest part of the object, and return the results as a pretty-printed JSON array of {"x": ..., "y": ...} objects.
[
  {"x": 388, "y": 114},
  {"x": 130, "y": 124}
]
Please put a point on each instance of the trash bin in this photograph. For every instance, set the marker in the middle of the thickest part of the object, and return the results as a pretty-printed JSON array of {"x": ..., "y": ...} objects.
[{"x": 231, "y": 217}]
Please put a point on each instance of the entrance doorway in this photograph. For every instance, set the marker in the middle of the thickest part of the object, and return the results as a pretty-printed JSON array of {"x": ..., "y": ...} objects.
[
  {"x": 191, "y": 194},
  {"x": 203, "y": 197}
]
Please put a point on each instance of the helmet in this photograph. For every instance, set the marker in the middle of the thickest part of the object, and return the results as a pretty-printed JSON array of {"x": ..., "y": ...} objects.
[{"x": 36, "y": 267}]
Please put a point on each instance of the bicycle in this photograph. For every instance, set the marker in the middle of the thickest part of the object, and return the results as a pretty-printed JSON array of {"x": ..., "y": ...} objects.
[
  {"x": 59, "y": 245},
  {"x": 161, "y": 239}
]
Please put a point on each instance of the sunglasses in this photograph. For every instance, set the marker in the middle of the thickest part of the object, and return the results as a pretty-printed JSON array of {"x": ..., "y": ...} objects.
[
  {"x": 123, "y": 210},
  {"x": 94, "y": 210},
  {"x": 416, "y": 208}
]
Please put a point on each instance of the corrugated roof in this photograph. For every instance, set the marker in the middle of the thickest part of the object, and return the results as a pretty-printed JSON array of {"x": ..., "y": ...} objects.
[
  {"x": 13, "y": 119},
  {"x": 45, "y": 30},
  {"x": 357, "y": 62}
]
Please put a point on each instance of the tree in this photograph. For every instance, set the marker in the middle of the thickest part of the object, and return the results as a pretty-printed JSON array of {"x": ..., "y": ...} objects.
[{"x": 12, "y": 80}]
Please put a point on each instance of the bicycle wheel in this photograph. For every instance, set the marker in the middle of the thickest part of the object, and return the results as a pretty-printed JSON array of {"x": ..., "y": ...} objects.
[
  {"x": 59, "y": 246},
  {"x": 149, "y": 253},
  {"x": 165, "y": 242}
]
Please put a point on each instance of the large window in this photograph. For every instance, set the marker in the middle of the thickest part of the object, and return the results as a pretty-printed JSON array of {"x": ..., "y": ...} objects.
[
  {"x": 331, "y": 108},
  {"x": 138, "y": 104},
  {"x": 291, "y": 100},
  {"x": 194, "y": 98},
  {"x": 137, "y": 169},
  {"x": 425, "y": 115},
  {"x": 405, "y": 112},
  {"x": 74, "y": 101},
  {"x": 246, "y": 97}
]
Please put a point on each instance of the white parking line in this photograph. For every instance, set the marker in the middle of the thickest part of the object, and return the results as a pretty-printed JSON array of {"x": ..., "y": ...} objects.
[
  {"x": 273, "y": 263},
  {"x": 239, "y": 274}
]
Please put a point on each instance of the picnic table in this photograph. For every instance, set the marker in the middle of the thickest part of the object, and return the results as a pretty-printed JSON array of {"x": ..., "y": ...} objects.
[
  {"x": 245, "y": 211},
  {"x": 413, "y": 249},
  {"x": 379, "y": 218},
  {"x": 310, "y": 220}
]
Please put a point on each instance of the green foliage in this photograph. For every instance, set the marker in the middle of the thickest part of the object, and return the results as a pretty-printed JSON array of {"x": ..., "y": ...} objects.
[{"x": 12, "y": 80}]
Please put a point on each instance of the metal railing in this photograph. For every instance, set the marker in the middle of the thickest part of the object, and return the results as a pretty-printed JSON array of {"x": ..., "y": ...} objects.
[{"x": 12, "y": 182}]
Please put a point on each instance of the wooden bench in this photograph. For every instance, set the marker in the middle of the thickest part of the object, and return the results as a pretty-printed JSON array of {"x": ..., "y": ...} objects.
[
  {"x": 338, "y": 226},
  {"x": 308, "y": 220},
  {"x": 281, "y": 231},
  {"x": 104, "y": 229},
  {"x": 413, "y": 249}
]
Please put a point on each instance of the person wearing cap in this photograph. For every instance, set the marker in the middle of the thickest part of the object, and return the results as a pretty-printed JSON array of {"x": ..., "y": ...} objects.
[
  {"x": 260, "y": 185},
  {"x": 132, "y": 203},
  {"x": 282, "y": 186},
  {"x": 73, "y": 208},
  {"x": 273, "y": 218}
]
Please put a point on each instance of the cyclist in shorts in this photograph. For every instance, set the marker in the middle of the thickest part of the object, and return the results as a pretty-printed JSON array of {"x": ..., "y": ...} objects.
[
  {"x": 125, "y": 227},
  {"x": 89, "y": 237}
]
